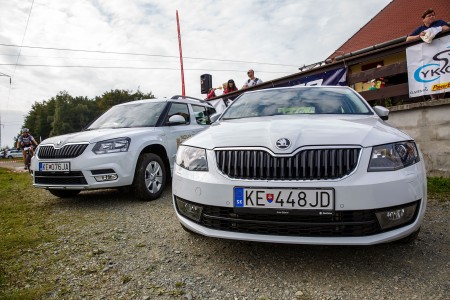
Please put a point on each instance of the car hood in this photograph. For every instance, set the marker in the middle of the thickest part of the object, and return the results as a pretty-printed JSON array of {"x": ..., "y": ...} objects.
[
  {"x": 300, "y": 130},
  {"x": 93, "y": 136}
]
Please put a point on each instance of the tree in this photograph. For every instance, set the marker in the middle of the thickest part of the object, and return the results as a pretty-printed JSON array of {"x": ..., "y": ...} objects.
[
  {"x": 39, "y": 119},
  {"x": 65, "y": 114},
  {"x": 114, "y": 97}
]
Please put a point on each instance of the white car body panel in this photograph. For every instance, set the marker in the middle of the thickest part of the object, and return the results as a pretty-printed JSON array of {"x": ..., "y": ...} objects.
[
  {"x": 123, "y": 163},
  {"x": 359, "y": 190},
  {"x": 264, "y": 131}
]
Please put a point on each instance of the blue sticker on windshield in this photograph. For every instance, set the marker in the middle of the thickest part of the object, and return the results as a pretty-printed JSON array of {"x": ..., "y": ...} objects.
[{"x": 238, "y": 197}]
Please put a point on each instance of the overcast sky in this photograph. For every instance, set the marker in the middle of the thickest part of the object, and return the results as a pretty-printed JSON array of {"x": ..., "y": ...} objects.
[{"x": 221, "y": 38}]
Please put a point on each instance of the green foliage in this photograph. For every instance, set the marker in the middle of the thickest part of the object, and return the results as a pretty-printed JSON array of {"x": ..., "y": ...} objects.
[
  {"x": 439, "y": 188},
  {"x": 115, "y": 97},
  {"x": 65, "y": 114}
]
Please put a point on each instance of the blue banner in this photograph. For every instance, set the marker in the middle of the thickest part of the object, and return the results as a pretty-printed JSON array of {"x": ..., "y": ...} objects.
[{"x": 333, "y": 77}]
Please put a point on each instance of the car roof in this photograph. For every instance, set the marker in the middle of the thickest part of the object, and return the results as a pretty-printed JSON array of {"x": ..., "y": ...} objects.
[{"x": 176, "y": 98}]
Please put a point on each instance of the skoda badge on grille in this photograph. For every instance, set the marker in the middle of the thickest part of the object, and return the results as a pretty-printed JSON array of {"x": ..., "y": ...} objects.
[
  {"x": 58, "y": 143},
  {"x": 283, "y": 143}
]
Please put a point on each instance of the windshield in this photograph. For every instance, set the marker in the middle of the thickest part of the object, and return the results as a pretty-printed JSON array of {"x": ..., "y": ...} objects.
[
  {"x": 130, "y": 115},
  {"x": 290, "y": 101}
]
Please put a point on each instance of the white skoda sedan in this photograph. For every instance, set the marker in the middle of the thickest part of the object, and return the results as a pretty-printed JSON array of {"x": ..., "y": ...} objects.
[{"x": 301, "y": 165}]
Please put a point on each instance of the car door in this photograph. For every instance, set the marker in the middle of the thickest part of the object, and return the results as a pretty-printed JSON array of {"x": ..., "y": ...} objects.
[{"x": 177, "y": 133}]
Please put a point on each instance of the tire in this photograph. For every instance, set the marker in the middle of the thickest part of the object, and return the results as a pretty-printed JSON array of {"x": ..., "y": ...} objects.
[
  {"x": 64, "y": 193},
  {"x": 150, "y": 177},
  {"x": 410, "y": 238},
  {"x": 28, "y": 161}
]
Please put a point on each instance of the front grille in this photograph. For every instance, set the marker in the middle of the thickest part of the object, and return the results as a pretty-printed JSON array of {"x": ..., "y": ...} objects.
[
  {"x": 67, "y": 151},
  {"x": 312, "y": 164},
  {"x": 340, "y": 224},
  {"x": 65, "y": 178}
]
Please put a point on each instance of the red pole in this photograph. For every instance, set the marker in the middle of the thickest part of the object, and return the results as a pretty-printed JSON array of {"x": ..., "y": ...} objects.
[{"x": 183, "y": 93}]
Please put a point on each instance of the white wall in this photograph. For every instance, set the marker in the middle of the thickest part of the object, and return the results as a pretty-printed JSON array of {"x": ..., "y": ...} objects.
[{"x": 429, "y": 124}]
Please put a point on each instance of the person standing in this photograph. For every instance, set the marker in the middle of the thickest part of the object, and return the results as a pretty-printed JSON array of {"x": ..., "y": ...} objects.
[
  {"x": 429, "y": 21},
  {"x": 211, "y": 93},
  {"x": 252, "y": 80},
  {"x": 231, "y": 87}
]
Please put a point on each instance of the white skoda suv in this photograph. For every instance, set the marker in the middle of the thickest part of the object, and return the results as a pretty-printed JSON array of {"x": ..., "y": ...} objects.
[
  {"x": 131, "y": 145},
  {"x": 301, "y": 165}
]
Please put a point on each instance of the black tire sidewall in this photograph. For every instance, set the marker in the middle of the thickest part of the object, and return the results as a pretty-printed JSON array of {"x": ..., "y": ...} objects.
[
  {"x": 139, "y": 187},
  {"x": 28, "y": 158}
]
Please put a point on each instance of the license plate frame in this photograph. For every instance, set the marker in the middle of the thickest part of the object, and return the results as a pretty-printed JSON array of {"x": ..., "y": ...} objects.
[
  {"x": 54, "y": 167},
  {"x": 268, "y": 200}
]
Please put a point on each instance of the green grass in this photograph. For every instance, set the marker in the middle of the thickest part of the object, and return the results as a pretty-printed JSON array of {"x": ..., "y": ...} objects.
[
  {"x": 439, "y": 188},
  {"x": 23, "y": 226}
]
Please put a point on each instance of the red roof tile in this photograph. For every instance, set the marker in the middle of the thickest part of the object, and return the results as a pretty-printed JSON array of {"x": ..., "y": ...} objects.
[{"x": 399, "y": 18}]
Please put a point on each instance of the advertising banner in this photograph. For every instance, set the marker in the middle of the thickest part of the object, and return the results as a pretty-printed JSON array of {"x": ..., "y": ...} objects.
[
  {"x": 429, "y": 67},
  {"x": 218, "y": 104},
  {"x": 332, "y": 77}
]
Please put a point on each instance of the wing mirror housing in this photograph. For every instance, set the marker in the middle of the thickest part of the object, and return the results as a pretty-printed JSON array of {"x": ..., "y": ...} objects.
[
  {"x": 382, "y": 112},
  {"x": 177, "y": 120},
  {"x": 214, "y": 117}
]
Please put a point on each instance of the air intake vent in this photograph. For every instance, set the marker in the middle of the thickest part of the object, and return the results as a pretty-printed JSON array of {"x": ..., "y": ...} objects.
[
  {"x": 312, "y": 164},
  {"x": 67, "y": 151}
]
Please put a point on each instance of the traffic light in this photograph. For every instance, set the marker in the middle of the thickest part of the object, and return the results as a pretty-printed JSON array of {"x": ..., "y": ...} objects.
[{"x": 205, "y": 83}]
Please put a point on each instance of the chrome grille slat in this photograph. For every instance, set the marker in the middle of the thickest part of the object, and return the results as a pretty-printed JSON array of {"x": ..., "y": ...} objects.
[
  {"x": 67, "y": 151},
  {"x": 310, "y": 164}
]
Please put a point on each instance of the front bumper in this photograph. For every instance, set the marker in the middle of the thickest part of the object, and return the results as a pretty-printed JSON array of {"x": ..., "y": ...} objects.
[
  {"x": 87, "y": 171},
  {"x": 359, "y": 196}
]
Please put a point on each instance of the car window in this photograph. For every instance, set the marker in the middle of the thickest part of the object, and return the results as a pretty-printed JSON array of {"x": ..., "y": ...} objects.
[
  {"x": 141, "y": 114},
  {"x": 203, "y": 114},
  {"x": 296, "y": 101},
  {"x": 180, "y": 109}
]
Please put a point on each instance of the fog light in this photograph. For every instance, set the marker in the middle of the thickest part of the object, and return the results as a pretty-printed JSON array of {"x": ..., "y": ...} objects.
[
  {"x": 107, "y": 177},
  {"x": 189, "y": 209},
  {"x": 396, "y": 216}
]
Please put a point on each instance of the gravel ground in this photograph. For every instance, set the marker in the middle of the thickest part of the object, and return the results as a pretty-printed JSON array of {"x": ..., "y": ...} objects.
[{"x": 111, "y": 246}]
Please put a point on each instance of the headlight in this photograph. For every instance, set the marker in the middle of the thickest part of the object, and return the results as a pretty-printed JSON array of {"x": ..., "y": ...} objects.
[
  {"x": 192, "y": 159},
  {"x": 392, "y": 157},
  {"x": 112, "y": 146}
]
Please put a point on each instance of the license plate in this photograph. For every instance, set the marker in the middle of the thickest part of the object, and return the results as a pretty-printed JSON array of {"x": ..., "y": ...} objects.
[
  {"x": 297, "y": 199},
  {"x": 54, "y": 167}
]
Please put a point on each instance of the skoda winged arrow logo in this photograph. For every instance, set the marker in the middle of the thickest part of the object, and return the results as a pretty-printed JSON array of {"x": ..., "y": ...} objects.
[{"x": 283, "y": 144}]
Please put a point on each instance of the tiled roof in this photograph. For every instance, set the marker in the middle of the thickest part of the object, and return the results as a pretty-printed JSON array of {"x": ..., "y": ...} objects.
[{"x": 399, "y": 18}]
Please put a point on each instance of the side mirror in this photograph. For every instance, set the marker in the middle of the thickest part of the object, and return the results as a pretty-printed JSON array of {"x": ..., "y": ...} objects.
[
  {"x": 176, "y": 120},
  {"x": 382, "y": 112},
  {"x": 214, "y": 117}
]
